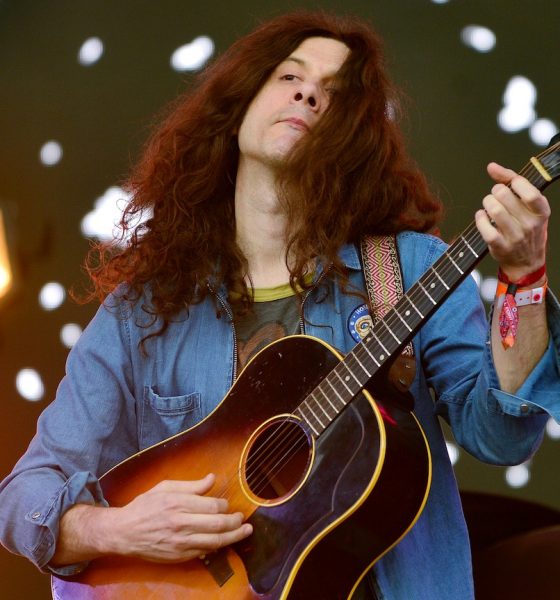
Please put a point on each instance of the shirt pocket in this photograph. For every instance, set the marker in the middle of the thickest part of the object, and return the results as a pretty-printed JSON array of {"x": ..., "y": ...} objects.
[{"x": 165, "y": 416}]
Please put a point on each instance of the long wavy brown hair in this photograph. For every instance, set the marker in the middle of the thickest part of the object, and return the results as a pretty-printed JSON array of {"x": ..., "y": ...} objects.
[{"x": 349, "y": 176}]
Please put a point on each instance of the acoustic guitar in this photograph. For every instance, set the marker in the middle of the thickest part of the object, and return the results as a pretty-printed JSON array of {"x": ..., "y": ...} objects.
[{"x": 330, "y": 467}]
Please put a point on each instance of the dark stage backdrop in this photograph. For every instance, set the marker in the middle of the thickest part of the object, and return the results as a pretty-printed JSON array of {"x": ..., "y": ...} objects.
[{"x": 98, "y": 114}]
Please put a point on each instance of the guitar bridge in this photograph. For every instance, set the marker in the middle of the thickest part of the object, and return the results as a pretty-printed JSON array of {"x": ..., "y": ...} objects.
[{"x": 218, "y": 565}]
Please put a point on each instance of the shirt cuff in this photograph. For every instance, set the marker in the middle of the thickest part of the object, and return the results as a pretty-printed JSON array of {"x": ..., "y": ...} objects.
[{"x": 81, "y": 488}]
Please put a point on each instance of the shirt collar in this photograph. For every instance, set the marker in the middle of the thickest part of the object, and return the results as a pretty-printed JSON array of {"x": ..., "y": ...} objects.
[{"x": 349, "y": 256}]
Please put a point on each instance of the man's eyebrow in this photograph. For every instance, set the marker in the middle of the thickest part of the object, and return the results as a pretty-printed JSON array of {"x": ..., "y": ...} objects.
[
  {"x": 295, "y": 59},
  {"x": 303, "y": 63}
]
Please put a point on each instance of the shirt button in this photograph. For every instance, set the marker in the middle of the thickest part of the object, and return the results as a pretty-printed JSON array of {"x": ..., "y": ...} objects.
[
  {"x": 35, "y": 516},
  {"x": 524, "y": 408}
]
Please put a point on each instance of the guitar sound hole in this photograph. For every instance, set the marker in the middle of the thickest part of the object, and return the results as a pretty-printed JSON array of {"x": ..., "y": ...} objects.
[{"x": 278, "y": 459}]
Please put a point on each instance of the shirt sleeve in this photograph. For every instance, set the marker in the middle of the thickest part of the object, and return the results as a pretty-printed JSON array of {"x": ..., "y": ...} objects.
[
  {"x": 493, "y": 425},
  {"x": 89, "y": 427}
]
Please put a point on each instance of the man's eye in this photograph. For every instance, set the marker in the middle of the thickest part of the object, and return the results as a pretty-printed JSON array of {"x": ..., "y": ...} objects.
[{"x": 288, "y": 77}]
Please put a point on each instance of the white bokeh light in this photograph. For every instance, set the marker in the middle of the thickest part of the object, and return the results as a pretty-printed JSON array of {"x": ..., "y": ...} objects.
[
  {"x": 30, "y": 385},
  {"x": 453, "y": 452},
  {"x": 50, "y": 153},
  {"x": 519, "y": 99},
  {"x": 518, "y": 476},
  {"x": 488, "y": 288},
  {"x": 52, "y": 295},
  {"x": 553, "y": 429},
  {"x": 516, "y": 117},
  {"x": 90, "y": 52},
  {"x": 478, "y": 38},
  {"x": 193, "y": 56},
  {"x": 101, "y": 223},
  {"x": 541, "y": 131},
  {"x": 70, "y": 334},
  {"x": 520, "y": 91},
  {"x": 477, "y": 277}
]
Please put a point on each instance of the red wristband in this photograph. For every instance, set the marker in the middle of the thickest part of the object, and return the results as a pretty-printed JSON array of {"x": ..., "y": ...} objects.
[
  {"x": 509, "y": 317},
  {"x": 526, "y": 280}
]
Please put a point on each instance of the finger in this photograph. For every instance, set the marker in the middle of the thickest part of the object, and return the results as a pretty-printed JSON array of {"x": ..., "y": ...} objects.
[
  {"x": 204, "y": 523},
  {"x": 500, "y": 174},
  {"x": 499, "y": 215},
  {"x": 527, "y": 193},
  {"x": 529, "y": 197},
  {"x": 214, "y": 541},
  {"x": 484, "y": 225},
  {"x": 198, "y": 486},
  {"x": 203, "y": 504}
]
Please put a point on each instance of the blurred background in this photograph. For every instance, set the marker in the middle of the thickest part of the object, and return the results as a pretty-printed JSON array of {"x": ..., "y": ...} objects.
[{"x": 82, "y": 81}]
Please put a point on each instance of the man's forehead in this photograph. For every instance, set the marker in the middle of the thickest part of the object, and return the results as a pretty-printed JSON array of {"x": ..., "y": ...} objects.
[{"x": 317, "y": 52}]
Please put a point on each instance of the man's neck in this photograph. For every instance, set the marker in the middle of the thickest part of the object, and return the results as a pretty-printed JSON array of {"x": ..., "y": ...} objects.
[{"x": 260, "y": 224}]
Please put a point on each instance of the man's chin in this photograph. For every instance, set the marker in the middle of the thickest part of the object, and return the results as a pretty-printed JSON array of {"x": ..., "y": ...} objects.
[{"x": 282, "y": 151}]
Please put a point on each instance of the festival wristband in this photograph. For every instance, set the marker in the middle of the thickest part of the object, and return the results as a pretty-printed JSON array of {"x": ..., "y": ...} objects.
[
  {"x": 522, "y": 297},
  {"x": 509, "y": 298}
]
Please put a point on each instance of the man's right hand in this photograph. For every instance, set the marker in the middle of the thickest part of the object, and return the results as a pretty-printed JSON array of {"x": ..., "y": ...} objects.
[{"x": 172, "y": 522}]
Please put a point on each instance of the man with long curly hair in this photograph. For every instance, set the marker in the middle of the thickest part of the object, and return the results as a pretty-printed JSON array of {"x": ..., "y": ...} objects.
[{"x": 260, "y": 186}]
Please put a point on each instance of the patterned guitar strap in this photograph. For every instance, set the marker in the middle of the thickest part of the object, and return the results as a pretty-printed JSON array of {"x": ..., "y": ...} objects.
[{"x": 384, "y": 285}]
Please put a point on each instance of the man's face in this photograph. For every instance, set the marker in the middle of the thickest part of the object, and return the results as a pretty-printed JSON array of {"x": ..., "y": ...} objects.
[{"x": 291, "y": 101}]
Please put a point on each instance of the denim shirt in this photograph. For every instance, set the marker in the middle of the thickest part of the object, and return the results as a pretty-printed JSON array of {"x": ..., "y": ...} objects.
[{"x": 114, "y": 401}]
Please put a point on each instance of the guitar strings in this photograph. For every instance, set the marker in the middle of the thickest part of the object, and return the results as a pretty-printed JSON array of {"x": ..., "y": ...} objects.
[{"x": 284, "y": 451}]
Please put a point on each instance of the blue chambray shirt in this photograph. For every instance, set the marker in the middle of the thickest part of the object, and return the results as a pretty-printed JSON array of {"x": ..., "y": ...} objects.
[{"x": 114, "y": 402}]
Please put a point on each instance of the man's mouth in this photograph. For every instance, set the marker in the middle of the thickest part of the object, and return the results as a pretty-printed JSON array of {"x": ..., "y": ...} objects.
[{"x": 297, "y": 123}]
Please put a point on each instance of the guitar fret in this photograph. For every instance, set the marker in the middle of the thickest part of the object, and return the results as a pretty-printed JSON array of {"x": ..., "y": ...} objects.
[
  {"x": 391, "y": 332},
  {"x": 360, "y": 363},
  {"x": 370, "y": 354},
  {"x": 405, "y": 323},
  {"x": 327, "y": 380},
  {"x": 425, "y": 292},
  {"x": 329, "y": 401},
  {"x": 415, "y": 308},
  {"x": 320, "y": 388},
  {"x": 352, "y": 373},
  {"x": 306, "y": 420},
  {"x": 469, "y": 246},
  {"x": 335, "y": 390},
  {"x": 455, "y": 264},
  {"x": 442, "y": 281},
  {"x": 314, "y": 415},
  {"x": 343, "y": 382},
  {"x": 380, "y": 343},
  {"x": 321, "y": 407}
]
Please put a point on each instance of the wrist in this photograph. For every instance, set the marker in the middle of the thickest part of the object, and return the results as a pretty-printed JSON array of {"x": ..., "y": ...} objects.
[
  {"x": 520, "y": 279},
  {"x": 512, "y": 294},
  {"x": 86, "y": 532},
  {"x": 106, "y": 533}
]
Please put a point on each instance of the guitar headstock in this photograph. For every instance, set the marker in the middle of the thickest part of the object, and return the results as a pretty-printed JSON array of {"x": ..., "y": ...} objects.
[{"x": 550, "y": 158}]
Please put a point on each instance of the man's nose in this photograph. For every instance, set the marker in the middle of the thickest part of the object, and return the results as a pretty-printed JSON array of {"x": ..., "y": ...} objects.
[{"x": 309, "y": 97}]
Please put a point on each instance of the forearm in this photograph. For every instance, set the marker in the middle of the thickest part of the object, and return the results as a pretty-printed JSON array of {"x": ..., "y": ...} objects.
[{"x": 514, "y": 364}]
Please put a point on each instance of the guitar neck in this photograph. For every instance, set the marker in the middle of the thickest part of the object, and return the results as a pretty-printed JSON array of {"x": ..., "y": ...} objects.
[{"x": 409, "y": 314}]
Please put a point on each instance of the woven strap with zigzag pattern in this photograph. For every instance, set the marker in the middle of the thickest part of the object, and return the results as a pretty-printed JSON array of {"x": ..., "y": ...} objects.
[{"x": 383, "y": 276}]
